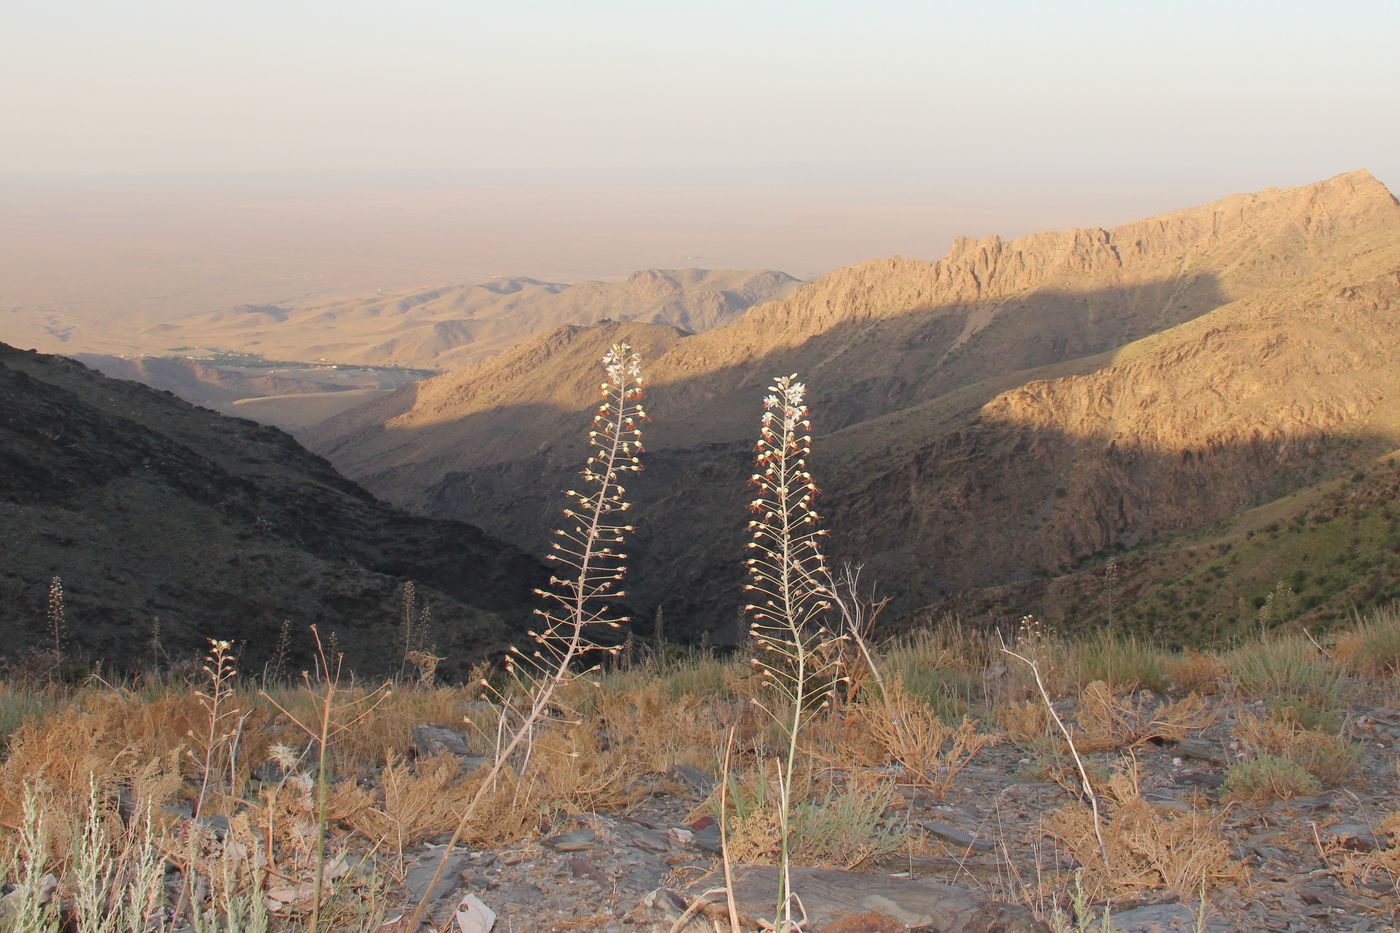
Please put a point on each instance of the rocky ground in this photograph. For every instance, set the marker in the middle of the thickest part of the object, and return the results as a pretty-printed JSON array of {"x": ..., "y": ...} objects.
[{"x": 977, "y": 860}]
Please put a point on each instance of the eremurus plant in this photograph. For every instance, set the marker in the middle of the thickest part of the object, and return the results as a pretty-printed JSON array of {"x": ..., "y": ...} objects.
[
  {"x": 579, "y": 604},
  {"x": 791, "y": 599}
]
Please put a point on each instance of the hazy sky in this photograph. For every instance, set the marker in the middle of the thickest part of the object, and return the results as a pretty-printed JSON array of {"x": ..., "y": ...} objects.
[
  {"x": 1178, "y": 90},
  {"x": 797, "y": 134}
]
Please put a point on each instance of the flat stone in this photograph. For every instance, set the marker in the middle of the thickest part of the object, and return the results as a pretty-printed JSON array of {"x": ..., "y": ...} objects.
[
  {"x": 694, "y": 777},
  {"x": 1200, "y": 750},
  {"x": 421, "y": 872},
  {"x": 576, "y": 841},
  {"x": 707, "y": 839},
  {"x": 1154, "y": 918},
  {"x": 471, "y": 762},
  {"x": 431, "y": 741},
  {"x": 1327, "y": 896},
  {"x": 642, "y": 837},
  {"x": 831, "y": 898},
  {"x": 473, "y": 916},
  {"x": 1207, "y": 779},
  {"x": 1353, "y": 836},
  {"x": 581, "y": 867},
  {"x": 958, "y": 837}
]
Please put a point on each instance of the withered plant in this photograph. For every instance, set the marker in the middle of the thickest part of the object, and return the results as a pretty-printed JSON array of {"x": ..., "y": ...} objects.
[
  {"x": 1145, "y": 848},
  {"x": 409, "y": 609},
  {"x": 1086, "y": 785},
  {"x": 220, "y": 728},
  {"x": 1381, "y": 865},
  {"x": 1108, "y": 720},
  {"x": 901, "y": 725},
  {"x": 333, "y": 717},
  {"x": 795, "y": 648},
  {"x": 931, "y": 752},
  {"x": 1331, "y": 759},
  {"x": 580, "y": 601}
]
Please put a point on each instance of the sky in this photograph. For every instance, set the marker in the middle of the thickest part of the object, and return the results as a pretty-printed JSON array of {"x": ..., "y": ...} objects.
[{"x": 573, "y": 139}]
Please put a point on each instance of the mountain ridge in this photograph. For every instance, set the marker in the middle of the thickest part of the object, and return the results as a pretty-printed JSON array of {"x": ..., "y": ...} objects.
[
  {"x": 448, "y": 326},
  {"x": 892, "y": 336}
]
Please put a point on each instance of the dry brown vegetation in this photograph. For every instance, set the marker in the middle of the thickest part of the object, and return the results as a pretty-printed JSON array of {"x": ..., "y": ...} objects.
[{"x": 119, "y": 752}]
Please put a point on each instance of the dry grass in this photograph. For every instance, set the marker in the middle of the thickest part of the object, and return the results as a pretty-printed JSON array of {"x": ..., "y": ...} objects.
[
  {"x": 1108, "y": 721},
  {"x": 909, "y": 732},
  {"x": 1024, "y": 722},
  {"x": 1372, "y": 646},
  {"x": 1196, "y": 672},
  {"x": 1148, "y": 849},
  {"x": 107, "y": 752},
  {"x": 1381, "y": 866},
  {"x": 1330, "y": 759}
]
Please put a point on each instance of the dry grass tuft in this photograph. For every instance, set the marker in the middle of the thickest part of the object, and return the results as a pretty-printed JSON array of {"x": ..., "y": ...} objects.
[
  {"x": 830, "y": 825},
  {"x": 1024, "y": 722},
  {"x": 931, "y": 752},
  {"x": 1108, "y": 721},
  {"x": 1364, "y": 870},
  {"x": 1148, "y": 849},
  {"x": 1330, "y": 759},
  {"x": 1196, "y": 672},
  {"x": 1372, "y": 646}
]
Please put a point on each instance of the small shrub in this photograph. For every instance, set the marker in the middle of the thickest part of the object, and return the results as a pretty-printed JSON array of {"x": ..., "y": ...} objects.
[
  {"x": 842, "y": 827},
  {"x": 1108, "y": 721},
  {"x": 1024, "y": 721},
  {"x": 1303, "y": 714},
  {"x": 912, "y": 733},
  {"x": 1329, "y": 758},
  {"x": 1373, "y": 646},
  {"x": 1268, "y": 777}
]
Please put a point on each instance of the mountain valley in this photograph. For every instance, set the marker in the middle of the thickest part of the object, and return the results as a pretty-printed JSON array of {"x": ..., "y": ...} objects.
[{"x": 985, "y": 423}]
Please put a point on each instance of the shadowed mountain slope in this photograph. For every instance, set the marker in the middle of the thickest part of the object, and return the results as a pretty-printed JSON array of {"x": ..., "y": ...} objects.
[
  {"x": 990, "y": 418},
  {"x": 148, "y": 507}
]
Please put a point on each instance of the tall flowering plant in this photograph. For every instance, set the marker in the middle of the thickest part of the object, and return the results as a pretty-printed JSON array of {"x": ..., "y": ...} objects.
[
  {"x": 580, "y": 602},
  {"x": 791, "y": 598}
]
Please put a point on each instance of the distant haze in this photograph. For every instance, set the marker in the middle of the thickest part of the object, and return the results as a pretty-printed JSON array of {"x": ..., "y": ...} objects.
[{"x": 165, "y": 158}]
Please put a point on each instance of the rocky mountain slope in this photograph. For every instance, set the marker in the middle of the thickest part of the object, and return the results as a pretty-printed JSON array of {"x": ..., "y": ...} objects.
[
  {"x": 149, "y": 508},
  {"x": 445, "y": 328},
  {"x": 986, "y": 420}
]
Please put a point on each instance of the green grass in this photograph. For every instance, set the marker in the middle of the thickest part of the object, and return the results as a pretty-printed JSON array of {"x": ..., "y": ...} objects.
[
  {"x": 1283, "y": 668},
  {"x": 1335, "y": 544},
  {"x": 1124, "y": 662},
  {"x": 21, "y": 703},
  {"x": 1268, "y": 777}
]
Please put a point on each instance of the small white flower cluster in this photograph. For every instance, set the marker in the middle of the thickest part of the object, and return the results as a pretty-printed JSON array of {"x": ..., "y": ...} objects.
[{"x": 622, "y": 366}]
